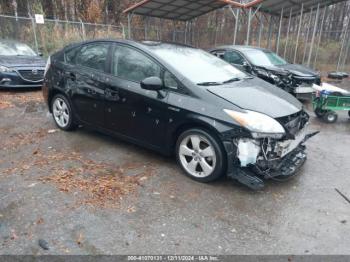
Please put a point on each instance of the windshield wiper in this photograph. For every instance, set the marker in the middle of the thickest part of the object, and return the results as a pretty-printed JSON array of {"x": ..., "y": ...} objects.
[
  {"x": 234, "y": 79},
  {"x": 209, "y": 84}
]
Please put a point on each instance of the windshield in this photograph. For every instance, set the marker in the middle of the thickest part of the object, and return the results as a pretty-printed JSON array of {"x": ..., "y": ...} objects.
[
  {"x": 264, "y": 58},
  {"x": 197, "y": 65},
  {"x": 13, "y": 49}
]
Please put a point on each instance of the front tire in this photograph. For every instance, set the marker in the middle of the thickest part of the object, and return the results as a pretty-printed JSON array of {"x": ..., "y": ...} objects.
[
  {"x": 200, "y": 155},
  {"x": 62, "y": 113}
]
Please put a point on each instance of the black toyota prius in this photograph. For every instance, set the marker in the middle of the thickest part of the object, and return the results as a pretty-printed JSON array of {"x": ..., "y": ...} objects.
[{"x": 180, "y": 100}]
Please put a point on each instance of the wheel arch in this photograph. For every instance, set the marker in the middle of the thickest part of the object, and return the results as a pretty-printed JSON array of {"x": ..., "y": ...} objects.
[
  {"x": 53, "y": 93},
  {"x": 194, "y": 123}
]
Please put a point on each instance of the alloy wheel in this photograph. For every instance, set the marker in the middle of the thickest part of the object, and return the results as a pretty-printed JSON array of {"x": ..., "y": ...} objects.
[
  {"x": 61, "y": 112},
  {"x": 197, "y": 156}
]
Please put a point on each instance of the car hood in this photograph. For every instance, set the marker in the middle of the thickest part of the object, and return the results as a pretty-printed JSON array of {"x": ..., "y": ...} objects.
[
  {"x": 296, "y": 70},
  {"x": 274, "y": 69},
  {"x": 259, "y": 96},
  {"x": 22, "y": 61},
  {"x": 299, "y": 70}
]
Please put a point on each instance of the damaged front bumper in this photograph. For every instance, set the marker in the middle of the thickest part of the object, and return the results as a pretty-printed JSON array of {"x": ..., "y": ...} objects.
[{"x": 258, "y": 159}]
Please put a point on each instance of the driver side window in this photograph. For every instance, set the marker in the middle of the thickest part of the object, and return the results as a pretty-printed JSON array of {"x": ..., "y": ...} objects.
[
  {"x": 132, "y": 65},
  {"x": 233, "y": 57}
]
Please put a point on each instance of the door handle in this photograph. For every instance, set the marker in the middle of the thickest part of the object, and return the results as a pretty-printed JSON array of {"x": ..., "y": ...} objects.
[
  {"x": 91, "y": 91},
  {"x": 112, "y": 95}
]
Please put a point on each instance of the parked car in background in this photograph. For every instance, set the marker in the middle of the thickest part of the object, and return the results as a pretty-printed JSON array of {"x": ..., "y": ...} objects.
[
  {"x": 295, "y": 79},
  {"x": 20, "y": 66},
  {"x": 179, "y": 100}
]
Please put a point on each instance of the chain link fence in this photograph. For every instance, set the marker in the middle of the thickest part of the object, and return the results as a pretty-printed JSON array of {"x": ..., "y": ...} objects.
[{"x": 55, "y": 34}]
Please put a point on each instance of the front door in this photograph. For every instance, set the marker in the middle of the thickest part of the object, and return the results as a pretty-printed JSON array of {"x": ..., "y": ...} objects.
[
  {"x": 130, "y": 110},
  {"x": 236, "y": 60}
]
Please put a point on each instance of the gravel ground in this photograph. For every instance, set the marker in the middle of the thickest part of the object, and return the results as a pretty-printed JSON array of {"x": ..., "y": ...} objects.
[{"x": 86, "y": 193}]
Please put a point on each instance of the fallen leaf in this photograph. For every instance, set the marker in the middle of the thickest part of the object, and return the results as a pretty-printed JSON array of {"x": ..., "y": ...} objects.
[{"x": 51, "y": 131}]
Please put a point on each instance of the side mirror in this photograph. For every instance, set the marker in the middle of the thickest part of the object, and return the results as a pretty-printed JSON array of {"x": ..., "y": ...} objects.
[
  {"x": 152, "y": 83},
  {"x": 246, "y": 66}
]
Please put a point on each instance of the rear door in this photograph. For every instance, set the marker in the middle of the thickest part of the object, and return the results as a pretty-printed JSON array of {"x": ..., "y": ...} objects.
[{"x": 88, "y": 76}]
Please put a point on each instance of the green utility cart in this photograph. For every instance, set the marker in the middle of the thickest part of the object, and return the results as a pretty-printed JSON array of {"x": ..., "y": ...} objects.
[{"x": 325, "y": 103}]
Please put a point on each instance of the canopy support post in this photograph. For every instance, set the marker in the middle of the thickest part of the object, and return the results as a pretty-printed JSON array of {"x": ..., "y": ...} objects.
[
  {"x": 174, "y": 32},
  {"x": 261, "y": 26},
  {"x": 236, "y": 16},
  {"x": 307, "y": 35},
  {"x": 130, "y": 15},
  {"x": 249, "y": 24},
  {"x": 342, "y": 46},
  {"x": 298, "y": 35},
  {"x": 236, "y": 26},
  {"x": 185, "y": 32},
  {"x": 313, "y": 35},
  {"x": 320, "y": 36},
  {"x": 269, "y": 33},
  {"x": 346, "y": 53},
  {"x": 288, "y": 29},
  {"x": 146, "y": 27},
  {"x": 160, "y": 29},
  {"x": 279, "y": 32},
  {"x": 250, "y": 17},
  {"x": 34, "y": 33}
]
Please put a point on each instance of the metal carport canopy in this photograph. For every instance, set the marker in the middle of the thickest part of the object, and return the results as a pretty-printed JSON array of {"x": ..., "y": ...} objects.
[
  {"x": 274, "y": 7},
  {"x": 185, "y": 10},
  {"x": 182, "y": 10}
]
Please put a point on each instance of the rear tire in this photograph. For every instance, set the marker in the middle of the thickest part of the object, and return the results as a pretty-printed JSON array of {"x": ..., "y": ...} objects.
[
  {"x": 200, "y": 155},
  {"x": 330, "y": 117},
  {"x": 62, "y": 113}
]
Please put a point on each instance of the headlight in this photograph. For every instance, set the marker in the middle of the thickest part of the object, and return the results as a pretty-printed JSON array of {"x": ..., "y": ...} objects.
[
  {"x": 4, "y": 69},
  {"x": 262, "y": 72},
  {"x": 259, "y": 124},
  {"x": 275, "y": 78}
]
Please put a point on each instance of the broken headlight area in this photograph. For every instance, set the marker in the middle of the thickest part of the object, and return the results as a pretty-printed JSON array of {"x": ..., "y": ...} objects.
[
  {"x": 265, "y": 149},
  {"x": 285, "y": 82},
  {"x": 269, "y": 158},
  {"x": 267, "y": 152},
  {"x": 274, "y": 150}
]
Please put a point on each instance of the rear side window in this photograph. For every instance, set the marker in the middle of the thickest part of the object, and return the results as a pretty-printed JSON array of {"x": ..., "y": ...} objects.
[
  {"x": 93, "y": 56},
  {"x": 233, "y": 58},
  {"x": 133, "y": 65}
]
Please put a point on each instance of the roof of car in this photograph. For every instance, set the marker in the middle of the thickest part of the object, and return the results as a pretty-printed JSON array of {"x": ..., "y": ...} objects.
[
  {"x": 241, "y": 48},
  {"x": 131, "y": 42}
]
